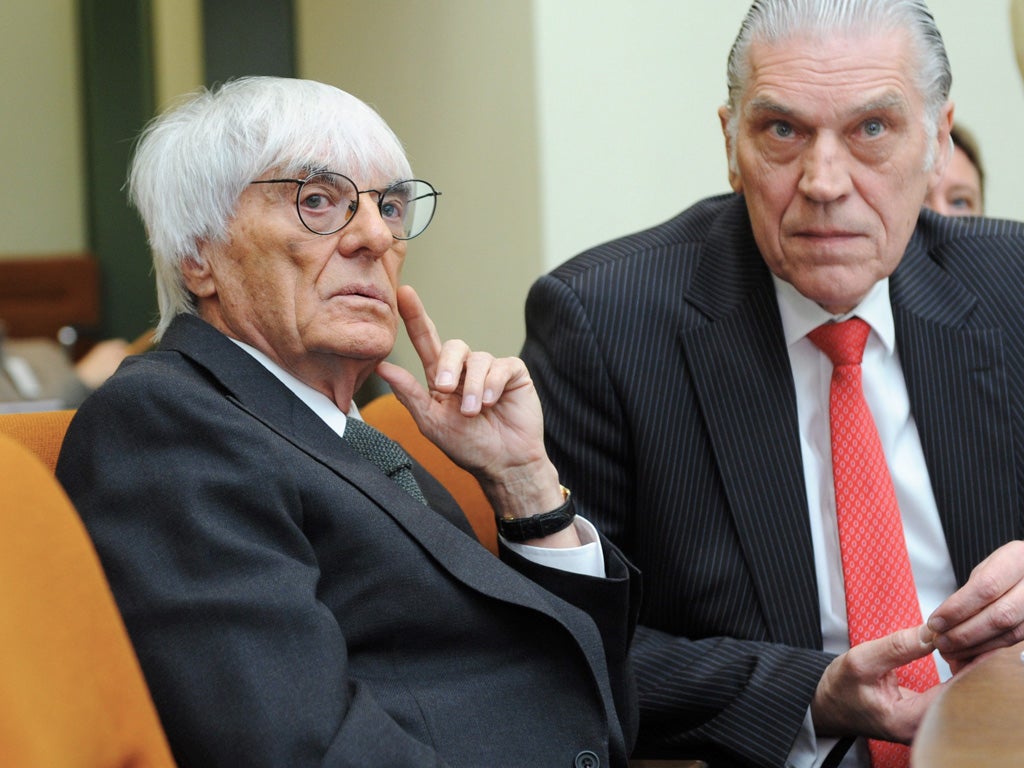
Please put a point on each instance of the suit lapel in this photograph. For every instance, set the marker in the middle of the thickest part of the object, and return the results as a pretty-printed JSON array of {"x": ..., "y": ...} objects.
[
  {"x": 741, "y": 373},
  {"x": 955, "y": 369}
]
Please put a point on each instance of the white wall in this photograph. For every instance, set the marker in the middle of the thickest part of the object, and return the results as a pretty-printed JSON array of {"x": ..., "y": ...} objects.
[
  {"x": 628, "y": 94},
  {"x": 988, "y": 93}
]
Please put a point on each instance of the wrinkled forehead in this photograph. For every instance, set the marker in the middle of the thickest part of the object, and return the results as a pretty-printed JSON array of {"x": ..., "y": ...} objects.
[{"x": 873, "y": 70}]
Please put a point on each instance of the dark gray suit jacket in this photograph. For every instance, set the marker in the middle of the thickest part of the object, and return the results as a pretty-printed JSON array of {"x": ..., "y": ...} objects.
[
  {"x": 291, "y": 606},
  {"x": 670, "y": 410}
]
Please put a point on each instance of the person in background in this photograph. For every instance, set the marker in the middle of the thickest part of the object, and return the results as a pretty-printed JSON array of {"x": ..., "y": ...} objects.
[
  {"x": 810, "y": 524},
  {"x": 961, "y": 191},
  {"x": 39, "y": 374},
  {"x": 299, "y": 592}
]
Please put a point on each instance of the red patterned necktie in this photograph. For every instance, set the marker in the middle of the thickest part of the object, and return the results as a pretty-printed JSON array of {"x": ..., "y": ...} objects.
[{"x": 880, "y": 593}]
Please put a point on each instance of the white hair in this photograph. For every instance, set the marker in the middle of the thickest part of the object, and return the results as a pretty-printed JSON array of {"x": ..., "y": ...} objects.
[
  {"x": 193, "y": 162},
  {"x": 776, "y": 21}
]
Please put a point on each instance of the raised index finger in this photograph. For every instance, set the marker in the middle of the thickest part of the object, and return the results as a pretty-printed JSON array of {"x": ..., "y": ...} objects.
[{"x": 421, "y": 329}]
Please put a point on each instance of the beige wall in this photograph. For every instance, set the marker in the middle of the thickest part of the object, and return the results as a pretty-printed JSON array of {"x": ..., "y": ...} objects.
[
  {"x": 455, "y": 80},
  {"x": 177, "y": 48},
  {"x": 42, "y": 206}
]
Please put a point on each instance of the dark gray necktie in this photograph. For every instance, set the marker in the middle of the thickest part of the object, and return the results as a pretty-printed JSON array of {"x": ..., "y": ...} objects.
[{"x": 379, "y": 449}]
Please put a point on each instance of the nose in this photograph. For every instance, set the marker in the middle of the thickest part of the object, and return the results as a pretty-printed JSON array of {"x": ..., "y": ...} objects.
[
  {"x": 825, "y": 174},
  {"x": 366, "y": 231}
]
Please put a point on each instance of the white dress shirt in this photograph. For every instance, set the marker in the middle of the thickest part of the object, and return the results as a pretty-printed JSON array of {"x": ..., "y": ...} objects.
[
  {"x": 886, "y": 393},
  {"x": 587, "y": 559}
]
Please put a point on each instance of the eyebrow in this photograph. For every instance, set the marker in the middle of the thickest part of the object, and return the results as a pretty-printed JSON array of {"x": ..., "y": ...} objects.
[
  {"x": 888, "y": 102},
  {"x": 764, "y": 104},
  {"x": 885, "y": 103}
]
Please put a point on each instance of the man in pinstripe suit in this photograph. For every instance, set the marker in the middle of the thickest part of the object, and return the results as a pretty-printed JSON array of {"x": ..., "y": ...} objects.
[{"x": 689, "y": 411}]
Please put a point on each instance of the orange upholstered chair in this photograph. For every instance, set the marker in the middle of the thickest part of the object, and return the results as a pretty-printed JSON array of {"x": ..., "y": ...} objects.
[
  {"x": 42, "y": 432},
  {"x": 391, "y": 417},
  {"x": 71, "y": 690}
]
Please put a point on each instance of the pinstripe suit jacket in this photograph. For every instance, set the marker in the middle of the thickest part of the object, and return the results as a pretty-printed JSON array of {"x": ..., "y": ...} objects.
[
  {"x": 670, "y": 411},
  {"x": 292, "y": 606}
]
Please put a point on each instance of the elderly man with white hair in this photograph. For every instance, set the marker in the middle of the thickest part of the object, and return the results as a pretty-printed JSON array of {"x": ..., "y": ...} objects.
[{"x": 300, "y": 593}]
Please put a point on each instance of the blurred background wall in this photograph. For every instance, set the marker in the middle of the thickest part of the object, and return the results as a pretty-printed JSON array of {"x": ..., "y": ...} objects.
[{"x": 549, "y": 125}]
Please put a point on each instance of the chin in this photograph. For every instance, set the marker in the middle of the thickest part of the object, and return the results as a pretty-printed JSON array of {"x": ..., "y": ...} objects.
[
  {"x": 357, "y": 344},
  {"x": 836, "y": 302}
]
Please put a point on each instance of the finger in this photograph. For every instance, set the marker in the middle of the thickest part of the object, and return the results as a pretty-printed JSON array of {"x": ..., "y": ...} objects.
[
  {"x": 505, "y": 374},
  {"x": 486, "y": 378},
  {"x": 990, "y": 604},
  {"x": 405, "y": 386},
  {"x": 475, "y": 374},
  {"x": 449, "y": 370},
  {"x": 422, "y": 332},
  {"x": 999, "y": 625},
  {"x": 877, "y": 657}
]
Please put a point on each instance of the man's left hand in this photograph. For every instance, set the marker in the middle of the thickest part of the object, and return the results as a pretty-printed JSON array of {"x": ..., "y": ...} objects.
[{"x": 985, "y": 614}]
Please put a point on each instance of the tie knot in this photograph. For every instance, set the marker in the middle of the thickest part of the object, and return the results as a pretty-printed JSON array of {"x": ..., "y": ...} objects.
[
  {"x": 842, "y": 342},
  {"x": 379, "y": 449},
  {"x": 376, "y": 447}
]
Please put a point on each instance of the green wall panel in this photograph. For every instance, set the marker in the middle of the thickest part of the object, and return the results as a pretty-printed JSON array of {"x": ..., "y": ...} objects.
[{"x": 118, "y": 97}]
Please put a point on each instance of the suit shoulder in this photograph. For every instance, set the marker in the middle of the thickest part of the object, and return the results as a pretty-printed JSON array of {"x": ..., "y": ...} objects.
[
  {"x": 977, "y": 243},
  {"x": 160, "y": 380}
]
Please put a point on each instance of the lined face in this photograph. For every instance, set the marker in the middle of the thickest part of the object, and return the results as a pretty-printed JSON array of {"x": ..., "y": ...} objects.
[
  {"x": 300, "y": 297},
  {"x": 958, "y": 193},
  {"x": 832, "y": 155}
]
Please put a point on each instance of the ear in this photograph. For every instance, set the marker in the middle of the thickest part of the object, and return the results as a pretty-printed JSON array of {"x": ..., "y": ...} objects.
[
  {"x": 735, "y": 180},
  {"x": 944, "y": 148},
  {"x": 198, "y": 276}
]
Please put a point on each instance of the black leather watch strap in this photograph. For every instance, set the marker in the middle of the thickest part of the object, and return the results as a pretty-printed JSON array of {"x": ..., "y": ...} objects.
[{"x": 538, "y": 526}]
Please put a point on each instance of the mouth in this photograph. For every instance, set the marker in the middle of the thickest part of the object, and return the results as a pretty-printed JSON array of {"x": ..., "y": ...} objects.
[
  {"x": 826, "y": 234},
  {"x": 362, "y": 292}
]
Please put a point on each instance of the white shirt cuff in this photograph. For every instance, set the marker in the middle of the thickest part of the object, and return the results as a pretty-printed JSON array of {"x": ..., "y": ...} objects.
[{"x": 585, "y": 560}]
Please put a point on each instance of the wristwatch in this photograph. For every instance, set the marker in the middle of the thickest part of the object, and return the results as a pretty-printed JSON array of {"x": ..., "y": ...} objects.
[{"x": 518, "y": 529}]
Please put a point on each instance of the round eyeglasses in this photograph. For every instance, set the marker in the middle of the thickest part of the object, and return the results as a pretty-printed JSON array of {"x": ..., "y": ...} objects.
[{"x": 328, "y": 201}]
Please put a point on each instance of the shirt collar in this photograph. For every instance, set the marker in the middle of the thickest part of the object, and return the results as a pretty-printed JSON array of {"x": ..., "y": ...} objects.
[
  {"x": 318, "y": 402},
  {"x": 800, "y": 315}
]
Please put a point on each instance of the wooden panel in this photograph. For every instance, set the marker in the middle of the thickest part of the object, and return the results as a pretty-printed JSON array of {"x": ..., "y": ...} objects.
[
  {"x": 39, "y": 295},
  {"x": 976, "y": 719}
]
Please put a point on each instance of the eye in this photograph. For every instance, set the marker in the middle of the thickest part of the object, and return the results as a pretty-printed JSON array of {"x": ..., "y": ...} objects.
[
  {"x": 391, "y": 209},
  {"x": 317, "y": 197},
  {"x": 393, "y": 204},
  {"x": 782, "y": 130},
  {"x": 315, "y": 201},
  {"x": 963, "y": 204},
  {"x": 873, "y": 127},
  {"x": 326, "y": 194}
]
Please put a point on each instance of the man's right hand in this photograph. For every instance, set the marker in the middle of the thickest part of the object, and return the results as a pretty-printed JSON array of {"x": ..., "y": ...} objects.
[{"x": 858, "y": 695}]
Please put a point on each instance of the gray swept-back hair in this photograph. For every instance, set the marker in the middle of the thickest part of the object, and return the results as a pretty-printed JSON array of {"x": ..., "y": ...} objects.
[
  {"x": 775, "y": 21},
  {"x": 193, "y": 162}
]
